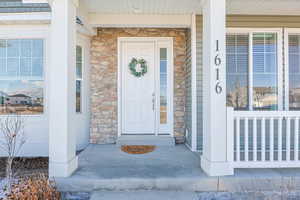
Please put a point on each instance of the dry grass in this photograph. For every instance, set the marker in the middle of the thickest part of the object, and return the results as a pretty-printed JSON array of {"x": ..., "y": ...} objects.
[
  {"x": 138, "y": 149},
  {"x": 34, "y": 188},
  {"x": 24, "y": 167}
]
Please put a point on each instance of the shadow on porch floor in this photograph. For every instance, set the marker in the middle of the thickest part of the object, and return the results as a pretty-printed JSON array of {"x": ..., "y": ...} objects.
[{"x": 106, "y": 167}]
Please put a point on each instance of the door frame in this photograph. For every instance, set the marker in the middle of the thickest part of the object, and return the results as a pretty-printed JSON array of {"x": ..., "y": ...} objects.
[{"x": 170, "y": 72}]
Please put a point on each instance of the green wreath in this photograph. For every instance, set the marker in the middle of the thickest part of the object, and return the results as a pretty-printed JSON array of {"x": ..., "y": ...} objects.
[{"x": 133, "y": 64}]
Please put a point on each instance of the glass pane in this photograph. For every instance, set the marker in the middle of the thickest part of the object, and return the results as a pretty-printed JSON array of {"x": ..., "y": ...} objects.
[
  {"x": 163, "y": 86},
  {"x": 13, "y": 48},
  {"x": 265, "y": 83},
  {"x": 237, "y": 71},
  {"x": 78, "y": 70},
  {"x": 230, "y": 44},
  {"x": 37, "y": 48},
  {"x": 163, "y": 54},
  {"x": 78, "y": 62},
  {"x": 2, "y": 48},
  {"x": 26, "y": 48},
  {"x": 22, "y": 97},
  {"x": 37, "y": 67},
  {"x": 271, "y": 40},
  {"x": 25, "y": 67},
  {"x": 78, "y": 96},
  {"x": 294, "y": 72},
  {"x": 2, "y": 67},
  {"x": 12, "y": 67}
]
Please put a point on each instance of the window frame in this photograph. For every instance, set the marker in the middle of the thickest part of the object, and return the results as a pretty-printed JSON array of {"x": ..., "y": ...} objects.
[
  {"x": 32, "y": 32},
  {"x": 280, "y": 73},
  {"x": 80, "y": 79},
  {"x": 287, "y": 32}
]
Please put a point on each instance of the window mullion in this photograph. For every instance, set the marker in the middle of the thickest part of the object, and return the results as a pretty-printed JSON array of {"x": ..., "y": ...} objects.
[{"x": 250, "y": 71}]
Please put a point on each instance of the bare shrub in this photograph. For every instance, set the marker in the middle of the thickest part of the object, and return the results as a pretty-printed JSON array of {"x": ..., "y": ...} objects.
[{"x": 11, "y": 142}]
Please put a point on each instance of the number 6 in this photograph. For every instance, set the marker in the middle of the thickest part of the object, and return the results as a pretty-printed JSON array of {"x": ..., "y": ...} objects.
[
  {"x": 218, "y": 88},
  {"x": 218, "y": 60}
]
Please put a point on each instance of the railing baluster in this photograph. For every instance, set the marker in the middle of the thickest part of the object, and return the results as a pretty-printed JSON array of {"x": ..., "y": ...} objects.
[
  {"x": 280, "y": 139},
  {"x": 238, "y": 139},
  {"x": 296, "y": 157},
  {"x": 254, "y": 140},
  {"x": 271, "y": 139},
  {"x": 288, "y": 139},
  {"x": 264, "y": 145},
  {"x": 246, "y": 140},
  {"x": 263, "y": 140}
]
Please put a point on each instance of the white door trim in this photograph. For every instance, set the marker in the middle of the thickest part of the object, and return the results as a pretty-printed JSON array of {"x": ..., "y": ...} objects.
[{"x": 170, "y": 78}]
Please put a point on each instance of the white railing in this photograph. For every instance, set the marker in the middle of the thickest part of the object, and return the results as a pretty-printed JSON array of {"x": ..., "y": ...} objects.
[{"x": 263, "y": 139}]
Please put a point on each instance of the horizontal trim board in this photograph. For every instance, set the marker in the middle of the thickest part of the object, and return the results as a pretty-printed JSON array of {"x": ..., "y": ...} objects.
[
  {"x": 259, "y": 21},
  {"x": 107, "y": 20}
]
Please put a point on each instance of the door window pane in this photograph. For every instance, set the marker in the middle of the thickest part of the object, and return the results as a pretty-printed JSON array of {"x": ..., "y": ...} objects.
[
  {"x": 163, "y": 86},
  {"x": 79, "y": 64},
  {"x": 265, "y": 81},
  {"x": 294, "y": 72},
  {"x": 237, "y": 71}
]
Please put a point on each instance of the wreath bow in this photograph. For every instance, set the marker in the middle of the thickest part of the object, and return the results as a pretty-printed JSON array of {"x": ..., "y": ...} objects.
[{"x": 132, "y": 66}]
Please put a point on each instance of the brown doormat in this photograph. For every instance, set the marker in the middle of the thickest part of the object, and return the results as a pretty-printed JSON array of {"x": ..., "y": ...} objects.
[{"x": 138, "y": 149}]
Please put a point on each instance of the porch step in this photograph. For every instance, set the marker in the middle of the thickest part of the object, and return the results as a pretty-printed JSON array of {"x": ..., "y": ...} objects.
[{"x": 146, "y": 140}]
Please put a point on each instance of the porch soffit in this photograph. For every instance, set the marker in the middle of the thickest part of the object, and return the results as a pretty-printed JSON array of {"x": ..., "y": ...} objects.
[{"x": 251, "y": 7}]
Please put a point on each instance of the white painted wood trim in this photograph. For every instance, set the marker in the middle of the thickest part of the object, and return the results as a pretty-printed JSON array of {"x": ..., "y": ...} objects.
[
  {"x": 19, "y": 18},
  {"x": 250, "y": 76},
  {"x": 141, "y": 20},
  {"x": 280, "y": 69},
  {"x": 119, "y": 89},
  {"x": 194, "y": 81},
  {"x": 171, "y": 79},
  {"x": 286, "y": 69},
  {"x": 287, "y": 31}
]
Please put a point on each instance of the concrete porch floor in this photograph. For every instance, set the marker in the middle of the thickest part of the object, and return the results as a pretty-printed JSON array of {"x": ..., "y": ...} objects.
[{"x": 106, "y": 167}]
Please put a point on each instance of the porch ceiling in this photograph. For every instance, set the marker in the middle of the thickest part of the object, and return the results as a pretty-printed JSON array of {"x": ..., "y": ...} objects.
[{"x": 266, "y": 7}]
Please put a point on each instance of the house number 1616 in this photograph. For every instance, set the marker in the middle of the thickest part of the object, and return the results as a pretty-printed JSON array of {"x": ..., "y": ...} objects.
[{"x": 218, "y": 62}]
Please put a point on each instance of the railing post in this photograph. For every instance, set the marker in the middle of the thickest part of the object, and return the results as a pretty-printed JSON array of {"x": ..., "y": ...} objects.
[{"x": 230, "y": 134}]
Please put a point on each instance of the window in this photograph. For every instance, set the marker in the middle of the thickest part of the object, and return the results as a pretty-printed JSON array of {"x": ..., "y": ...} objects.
[
  {"x": 21, "y": 76},
  {"x": 79, "y": 63},
  {"x": 252, "y": 71},
  {"x": 163, "y": 86},
  {"x": 294, "y": 71},
  {"x": 237, "y": 47}
]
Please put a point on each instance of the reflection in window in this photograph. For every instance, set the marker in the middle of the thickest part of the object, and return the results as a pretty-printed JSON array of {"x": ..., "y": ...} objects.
[
  {"x": 237, "y": 47},
  {"x": 265, "y": 83},
  {"x": 163, "y": 85},
  {"x": 21, "y": 76},
  {"x": 78, "y": 77},
  {"x": 294, "y": 72}
]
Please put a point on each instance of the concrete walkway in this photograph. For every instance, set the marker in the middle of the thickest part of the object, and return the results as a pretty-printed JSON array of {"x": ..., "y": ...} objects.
[
  {"x": 145, "y": 195},
  {"x": 106, "y": 167}
]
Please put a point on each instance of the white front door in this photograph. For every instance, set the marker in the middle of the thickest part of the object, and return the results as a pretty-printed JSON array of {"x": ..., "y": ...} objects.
[
  {"x": 146, "y": 101},
  {"x": 138, "y": 92}
]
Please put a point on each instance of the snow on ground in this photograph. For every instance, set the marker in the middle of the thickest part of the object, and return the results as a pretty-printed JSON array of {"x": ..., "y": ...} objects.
[{"x": 2, "y": 185}]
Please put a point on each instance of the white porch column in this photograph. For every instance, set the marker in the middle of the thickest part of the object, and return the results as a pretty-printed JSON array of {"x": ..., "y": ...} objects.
[
  {"x": 62, "y": 139},
  {"x": 214, "y": 159}
]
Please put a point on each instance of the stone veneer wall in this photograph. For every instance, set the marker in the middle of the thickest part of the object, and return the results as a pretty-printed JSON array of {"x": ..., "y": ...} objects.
[{"x": 104, "y": 79}]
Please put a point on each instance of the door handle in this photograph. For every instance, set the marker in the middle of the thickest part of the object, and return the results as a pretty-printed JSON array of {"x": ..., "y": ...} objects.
[{"x": 153, "y": 101}]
